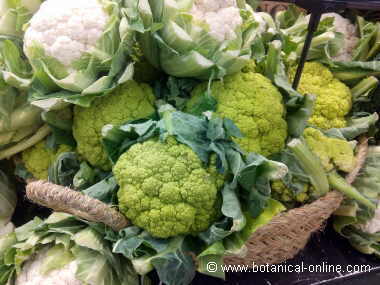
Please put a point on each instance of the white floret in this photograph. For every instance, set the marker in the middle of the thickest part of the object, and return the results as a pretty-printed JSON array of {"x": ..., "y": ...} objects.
[
  {"x": 349, "y": 31},
  {"x": 66, "y": 29},
  {"x": 222, "y": 17},
  {"x": 373, "y": 226},
  {"x": 30, "y": 274}
]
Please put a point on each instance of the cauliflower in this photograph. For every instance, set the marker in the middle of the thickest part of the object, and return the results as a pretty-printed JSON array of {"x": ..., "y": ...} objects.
[
  {"x": 289, "y": 197},
  {"x": 209, "y": 37},
  {"x": 334, "y": 99},
  {"x": 255, "y": 106},
  {"x": 333, "y": 153},
  {"x": 61, "y": 250},
  {"x": 349, "y": 31},
  {"x": 128, "y": 102},
  {"x": 65, "y": 30},
  {"x": 31, "y": 272},
  {"x": 165, "y": 190},
  {"x": 38, "y": 158},
  {"x": 78, "y": 50},
  {"x": 222, "y": 17}
]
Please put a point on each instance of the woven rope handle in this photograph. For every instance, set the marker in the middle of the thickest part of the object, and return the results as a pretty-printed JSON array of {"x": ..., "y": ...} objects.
[{"x": 64, "y": 199}]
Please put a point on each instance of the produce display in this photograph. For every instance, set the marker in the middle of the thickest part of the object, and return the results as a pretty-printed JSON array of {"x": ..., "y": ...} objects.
[{"x": 179, "y": 119}]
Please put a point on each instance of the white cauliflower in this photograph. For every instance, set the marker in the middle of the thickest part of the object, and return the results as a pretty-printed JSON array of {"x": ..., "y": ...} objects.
[
  {"x": 66, "y": 29},
  {"x": 266, "y": 23},
  {"x": 349, "y": 31},
  {"x": 31, "y": 273},
  {"x": 222, "y": 17}
]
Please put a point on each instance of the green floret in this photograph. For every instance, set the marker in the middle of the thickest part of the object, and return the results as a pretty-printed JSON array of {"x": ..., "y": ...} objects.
[
  {"x": 130, "y": 101},
  {"x": 334, "y": 99},
  {"x": 38, "y": 158},
  {"x": 317, "y": 156},
  {"x": 165, "y": 190},
  {"x": 333, "y": 153},
  {"x": 290, "y": 197},
  {"x": 256, "y": 107}
]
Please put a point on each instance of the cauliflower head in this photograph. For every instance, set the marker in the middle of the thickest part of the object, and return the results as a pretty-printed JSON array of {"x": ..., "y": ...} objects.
[
  {"x": 165, "y": 189},
  {"x": 333, "y": 98},
  {"x": 222, "y": 17},
  {"x": 290, "y": 197},
  {"x": 349, "y": 31},
  {"x": 130, "y": 101},
  {"x": 32, "y": 274},
  {"x": 333, "y": 153},
  {"x": 256, "y": 107},
  {"x": 66, "y": 30},
  {"x": 38, "y": 158}
]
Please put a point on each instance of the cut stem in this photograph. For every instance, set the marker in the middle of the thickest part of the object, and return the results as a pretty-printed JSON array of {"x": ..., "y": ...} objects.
[
  {"x": 340, "y": 184},
  {"x": 364, "y": 87},
  {"x": 25, "y": 144},
  {"x": 311, "y": 165}
]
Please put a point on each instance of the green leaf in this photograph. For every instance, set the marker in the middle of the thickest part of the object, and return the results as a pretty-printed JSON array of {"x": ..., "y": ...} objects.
[
  {"x": 105, "y": 190},
  {"x": 355, "y": 127},
  {"x": 56, "y": 258},
  {"x": 255, "y": 179},
  {"x": 64, "y": 168}
]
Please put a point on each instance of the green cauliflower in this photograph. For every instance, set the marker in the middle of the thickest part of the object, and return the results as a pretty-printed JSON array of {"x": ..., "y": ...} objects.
[
  {"x": 289, "y": 197},
  {"x": 333, "y": 153},
  {"x": 38, "y": 158},
  {"x": 165, "y": 189},
  {"x": 333, "y": 98},
  {"x": 130, "y": 101},
  {"x": 256, "y": 107}
]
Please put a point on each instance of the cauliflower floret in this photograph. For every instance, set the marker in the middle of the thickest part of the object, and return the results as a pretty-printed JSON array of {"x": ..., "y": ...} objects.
[
  {"x": 349, "y": 31},
  {"x": 38, "y": 158},
  {"x": 128, "y": 102},
  {"x": 288, "y": 196},
  {"x": 165, "y": 190},
  {"x": 222, "y": 17},
  {"x": 32, "y": 275},
  {"x": 333, "y": 153},
  {"x": 334, "y": 99},
  {"x": 256, "y": 107},
  {"x": 66, "y": 29}
]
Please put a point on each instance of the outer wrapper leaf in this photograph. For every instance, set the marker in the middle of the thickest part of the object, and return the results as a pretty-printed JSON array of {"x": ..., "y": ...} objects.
[
  {"x": 351, "y": 219},
  {"x": 14, "y": 14},
  {"x": 172, "y": 40},
  {"x": 68, "y": 239}
]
